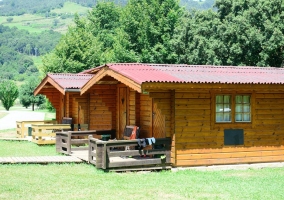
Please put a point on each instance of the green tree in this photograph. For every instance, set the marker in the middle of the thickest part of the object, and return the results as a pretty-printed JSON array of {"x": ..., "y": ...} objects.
[
  {"x": 9, "y": 19},
  {"x": 8, "y": 93},
  {"x": 150, "y": 26},
  {"x": 252, "y": 31},
  {"x": 196, "y": 39},
  {"x": 27, "y": 97},
  {"x": 88, "y": 43}
]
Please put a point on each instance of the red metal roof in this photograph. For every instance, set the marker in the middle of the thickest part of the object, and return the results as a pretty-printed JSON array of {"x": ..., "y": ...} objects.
[
  {"x": 140, "y": 73},
  {"x": 70, "y": 80}
]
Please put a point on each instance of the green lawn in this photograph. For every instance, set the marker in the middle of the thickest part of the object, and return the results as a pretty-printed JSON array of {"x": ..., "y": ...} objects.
[
  {"x": 25, "y": 148},
  {"x": 83, "y": 181}
]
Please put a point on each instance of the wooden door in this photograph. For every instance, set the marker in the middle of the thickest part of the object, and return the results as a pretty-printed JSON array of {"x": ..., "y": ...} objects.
[
  {"x": 158, "y": 121},
  {"x": 82, "y": 111},
  {"x": 122, "y": 102}
]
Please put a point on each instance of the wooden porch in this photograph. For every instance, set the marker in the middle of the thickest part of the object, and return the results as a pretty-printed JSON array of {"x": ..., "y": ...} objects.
[{"x": 114, "y": 155}]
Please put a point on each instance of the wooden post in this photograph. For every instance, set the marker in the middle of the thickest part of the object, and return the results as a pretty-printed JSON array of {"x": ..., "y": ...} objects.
[
  {"x": 99, "y": 155},
  {"x": 69, "y": 143}
]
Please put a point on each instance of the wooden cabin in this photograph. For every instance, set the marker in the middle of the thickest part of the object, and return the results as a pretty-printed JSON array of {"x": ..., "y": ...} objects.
[{"x": 213, "y": 114}]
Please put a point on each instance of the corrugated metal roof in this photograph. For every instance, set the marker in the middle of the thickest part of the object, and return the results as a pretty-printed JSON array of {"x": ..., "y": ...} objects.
[
  {"x": 199, "y": 73},
  {"x": 92, "y": 70},
  {"x": 70, "y": 80}
]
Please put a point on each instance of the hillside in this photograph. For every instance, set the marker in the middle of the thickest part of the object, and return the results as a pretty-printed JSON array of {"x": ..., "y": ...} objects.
[
  {"x": 30, "y": 29},
  {"x": 57, "y": 19},
  {"x": 25, "y": 38},
  {"x": 20, "y": 7}
]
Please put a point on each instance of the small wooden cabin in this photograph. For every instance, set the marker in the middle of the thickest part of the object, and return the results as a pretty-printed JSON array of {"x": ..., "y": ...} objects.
[{"x": 213, "y": 114}]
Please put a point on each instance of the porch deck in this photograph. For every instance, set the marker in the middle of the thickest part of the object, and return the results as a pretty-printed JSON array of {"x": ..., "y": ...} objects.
[{"x": 112, "y": 156}]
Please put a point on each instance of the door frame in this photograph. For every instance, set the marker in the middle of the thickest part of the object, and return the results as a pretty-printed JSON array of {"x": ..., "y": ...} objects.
[{"x": 125, "y": 98}]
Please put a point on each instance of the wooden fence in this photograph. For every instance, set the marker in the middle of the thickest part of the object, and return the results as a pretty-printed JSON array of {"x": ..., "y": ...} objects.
[
  {"x": 23, "y": 126},
  {"x": 45, "y": 133},
  {"x": 69, "y": 141},
  {"x": 112, "y": 155}
]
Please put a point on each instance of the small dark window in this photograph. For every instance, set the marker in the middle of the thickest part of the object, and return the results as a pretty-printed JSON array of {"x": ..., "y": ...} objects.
[{"x": 233, "y": 137}]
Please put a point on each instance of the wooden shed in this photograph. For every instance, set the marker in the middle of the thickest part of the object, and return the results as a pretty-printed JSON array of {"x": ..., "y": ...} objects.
[{"x": 213, "y": 114}]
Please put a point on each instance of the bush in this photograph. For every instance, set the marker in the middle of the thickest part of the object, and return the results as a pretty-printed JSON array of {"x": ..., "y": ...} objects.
[{"x": 9, "y": 19}]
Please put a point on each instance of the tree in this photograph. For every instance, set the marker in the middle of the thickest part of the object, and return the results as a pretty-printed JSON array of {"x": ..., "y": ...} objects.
[
  {"x": 8, "y": 93},
  {"x": 150, "y": 26},
  {"x": 240, "y": 32},
  {"x": 27, "y": 97},
  {"x": 9, "y": 19},
  {"x": 87, "y": 44}
]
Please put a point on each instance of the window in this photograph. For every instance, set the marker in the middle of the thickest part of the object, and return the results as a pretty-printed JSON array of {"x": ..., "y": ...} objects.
[
  {"x": 233, "y": 108},
  {"x": 242, "y": 108},
  {"x": 223, "y": 108}
]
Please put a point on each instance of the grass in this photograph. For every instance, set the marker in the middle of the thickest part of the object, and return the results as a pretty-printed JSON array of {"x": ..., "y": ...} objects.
[
  {"x": 8, "y": 133},
  {"x": 25, "y": 148},
  {"x": 71, "y": 8},
  {"x": 38, "y": 23},
  {"x": 82, "y": 181}
]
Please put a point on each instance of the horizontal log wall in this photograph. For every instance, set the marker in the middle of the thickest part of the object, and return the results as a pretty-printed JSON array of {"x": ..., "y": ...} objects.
[
  {"x": 268, "y": 121},
  {"x": 197, "y": 142},
  {"x": 74, "y": 110},
  {"x": 145, "y": 116},
  {"x": 53, "y": 95},
  {"x": 103, "y": 107}
]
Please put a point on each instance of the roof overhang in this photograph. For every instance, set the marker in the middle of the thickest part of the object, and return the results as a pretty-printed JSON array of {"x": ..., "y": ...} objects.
[
  {"x": 106, "y": 71},
  {"x": 47, "y": 81},
  {"x": 43, "y": 84}
]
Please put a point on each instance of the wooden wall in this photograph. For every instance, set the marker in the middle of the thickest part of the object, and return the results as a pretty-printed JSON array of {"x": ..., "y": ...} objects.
[
  {"x": 199, "y": 142},
  {"x": 79, "y": 107},
  {"x": 103, "y": 107},
  {"x": 164, "y": 101},
  {"x": 55, "y": 98},
  {"x": 145, "y": 116}
]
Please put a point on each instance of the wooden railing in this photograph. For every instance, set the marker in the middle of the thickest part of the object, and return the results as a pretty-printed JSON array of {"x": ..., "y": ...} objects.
[
  {"x": 69, "y": 141},
  {"x": 45, "y": 133},
  {"x": 23, "y": 126},
  {"x": 111, "y": 155}
]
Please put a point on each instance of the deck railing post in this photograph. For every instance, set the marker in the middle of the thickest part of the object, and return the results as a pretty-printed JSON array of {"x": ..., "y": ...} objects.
[
  {"x": 99, "y": 155},
  {"x": 90, "y": 149},
  {"x": 58, "y": 143},
  {"x": 68, "y": 142}
]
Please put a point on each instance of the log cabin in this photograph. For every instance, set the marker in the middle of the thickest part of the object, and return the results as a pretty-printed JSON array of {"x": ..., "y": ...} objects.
[{"x": 213, "y": 114}]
